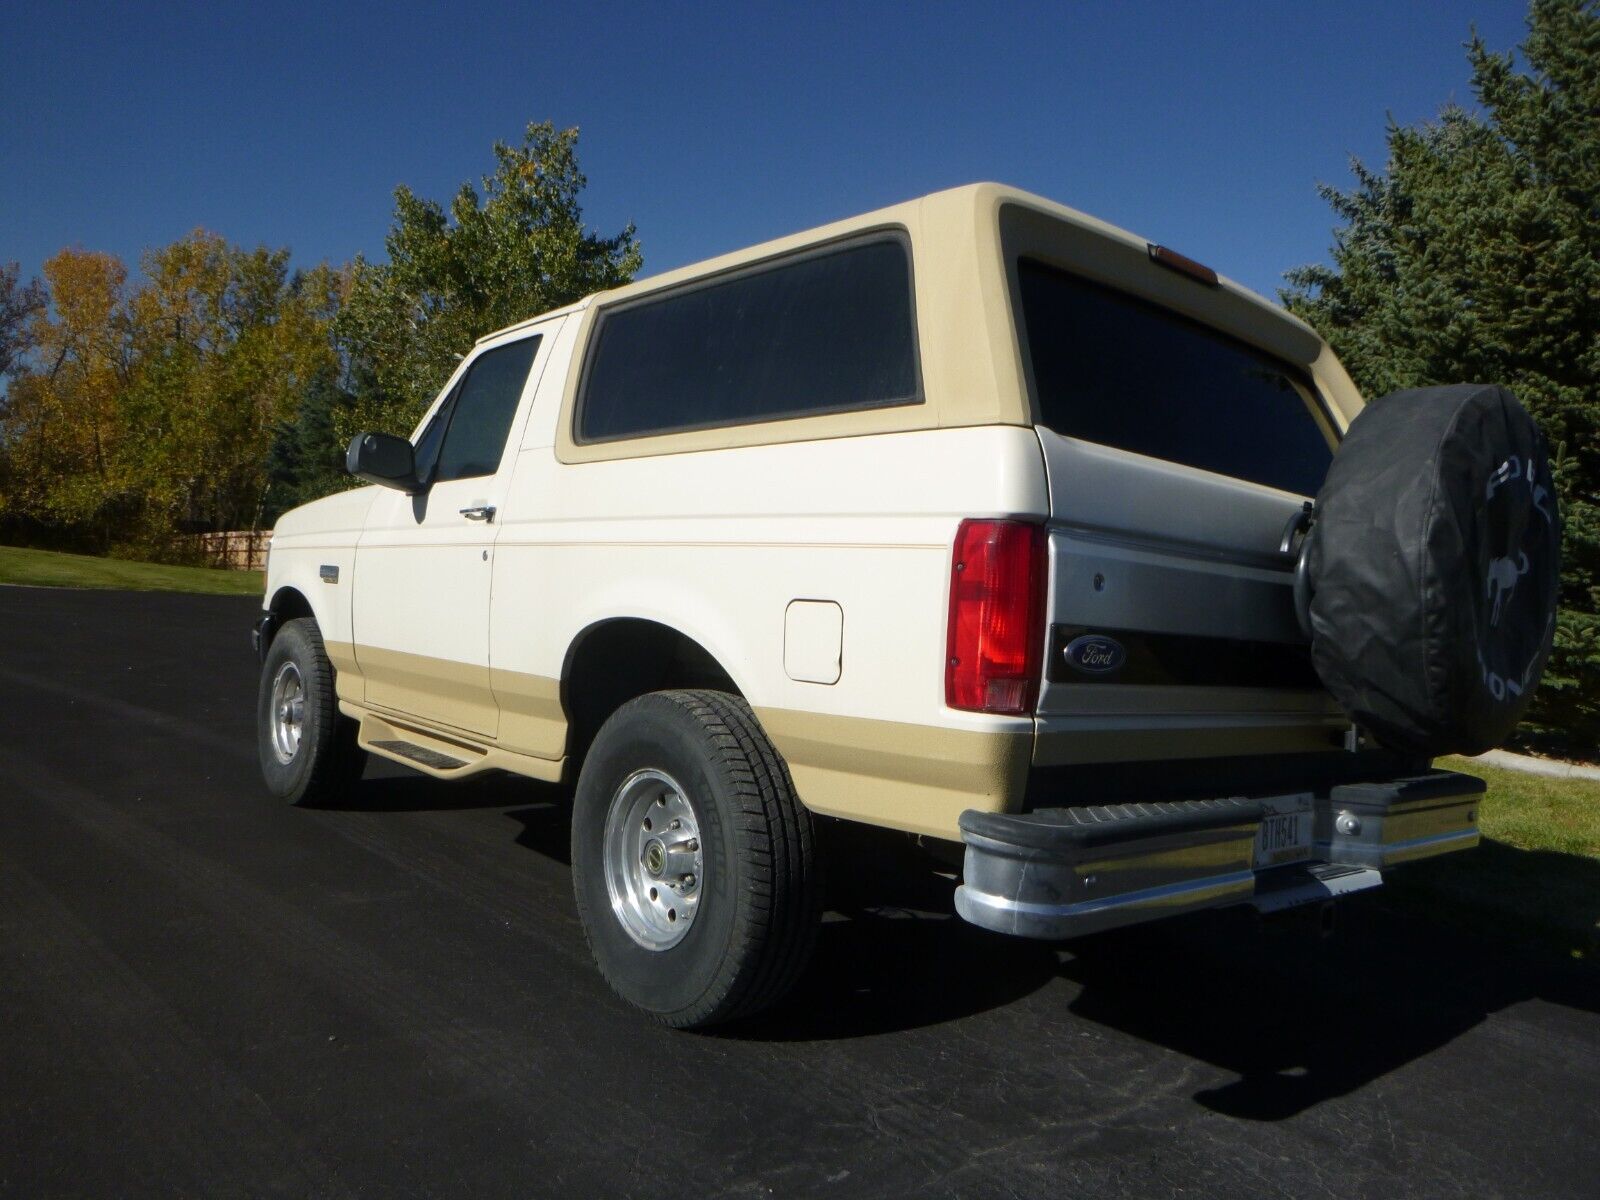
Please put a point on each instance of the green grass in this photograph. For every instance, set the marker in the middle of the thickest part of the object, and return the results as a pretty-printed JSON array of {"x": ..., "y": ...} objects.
[
  {"x": 1536, "y": 812},
  {"x": 45, "y": 568},
  {"x": 1536, "y": 876}
]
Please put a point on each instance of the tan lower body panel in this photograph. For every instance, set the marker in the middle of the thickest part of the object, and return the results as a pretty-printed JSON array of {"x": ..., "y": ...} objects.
[
  {"x": 532, "y": 720},
  {"x": 448, "y": 693},
  {"x": 919, "y": 778},
  {"x": 517, "y": 711},
  {"x": 348, "y": 682},
  {"x": 443, "y": 708}
]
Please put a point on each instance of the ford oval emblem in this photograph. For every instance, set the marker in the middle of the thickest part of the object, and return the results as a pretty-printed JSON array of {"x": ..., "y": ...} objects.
[{"x": 1094, "y": 654}]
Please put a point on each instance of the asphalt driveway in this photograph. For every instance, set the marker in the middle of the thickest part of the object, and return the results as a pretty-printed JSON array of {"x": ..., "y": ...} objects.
[{"x": 203, "y": 992}]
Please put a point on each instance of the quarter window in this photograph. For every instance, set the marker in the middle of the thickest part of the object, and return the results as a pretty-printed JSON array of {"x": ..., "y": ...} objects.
[{"x": 827, "y": 332}]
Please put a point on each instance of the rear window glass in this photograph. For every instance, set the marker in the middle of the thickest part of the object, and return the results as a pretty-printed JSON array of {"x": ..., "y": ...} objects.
[
  {"x": 1114, "y": 370},
  {"x": 824, "y": 333}
]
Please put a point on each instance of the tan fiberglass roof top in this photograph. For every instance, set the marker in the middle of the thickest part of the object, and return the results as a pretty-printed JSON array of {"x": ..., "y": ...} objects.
[
  {"x": 971, "y": 362},
  {"x": 960, "y": 211}
]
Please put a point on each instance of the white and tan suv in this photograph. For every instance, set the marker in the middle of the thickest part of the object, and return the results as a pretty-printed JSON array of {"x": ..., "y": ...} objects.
[{"x": 973, "y": 517}]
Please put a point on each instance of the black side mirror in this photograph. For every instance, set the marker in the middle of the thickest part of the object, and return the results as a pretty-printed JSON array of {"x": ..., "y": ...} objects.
[{"x": 385, "y": 459}]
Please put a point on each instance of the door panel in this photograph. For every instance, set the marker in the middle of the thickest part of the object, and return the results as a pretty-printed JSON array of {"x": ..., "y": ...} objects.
[
  {"x": 421, "y": 604},
  {"x": 425, "y": 562}
]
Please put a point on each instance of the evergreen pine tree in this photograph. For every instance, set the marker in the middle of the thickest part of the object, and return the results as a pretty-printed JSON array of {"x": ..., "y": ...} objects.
[
  {"x": 1475, "y": 256},
  {"x": 306, "y": 459}
]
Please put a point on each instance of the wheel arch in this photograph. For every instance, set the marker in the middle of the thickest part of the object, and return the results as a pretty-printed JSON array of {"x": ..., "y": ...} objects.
[
  {"x": 288, "y": 603},
  {"x": 615, "y": 659}
]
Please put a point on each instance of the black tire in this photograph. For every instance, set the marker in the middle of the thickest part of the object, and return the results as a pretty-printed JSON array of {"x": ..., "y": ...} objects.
[
  {"x": 327, "y": 761},
  {"x": 755, "y": 926}
]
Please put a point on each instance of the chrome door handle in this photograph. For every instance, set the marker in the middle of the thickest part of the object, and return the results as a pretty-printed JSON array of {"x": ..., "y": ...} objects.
[{"x": 479, "y": 512}]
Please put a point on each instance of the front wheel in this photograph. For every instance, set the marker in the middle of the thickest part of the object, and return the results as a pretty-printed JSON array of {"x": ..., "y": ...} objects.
[
  {"x": 693, "y": 861},
  {"x": 307, "y": 749}
]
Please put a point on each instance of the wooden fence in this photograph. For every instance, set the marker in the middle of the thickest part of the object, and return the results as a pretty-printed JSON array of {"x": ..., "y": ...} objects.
[{"x": 237, "y": 550}]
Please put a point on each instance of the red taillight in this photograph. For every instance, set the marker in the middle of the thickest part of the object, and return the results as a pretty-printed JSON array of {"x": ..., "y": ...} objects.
[{"x": 996, "y": 640}]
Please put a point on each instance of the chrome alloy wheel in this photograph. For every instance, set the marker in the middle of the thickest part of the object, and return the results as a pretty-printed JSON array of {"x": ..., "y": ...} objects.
[
  {"x": 654, "y": 863},
  {"x": 288, "y": 715}
]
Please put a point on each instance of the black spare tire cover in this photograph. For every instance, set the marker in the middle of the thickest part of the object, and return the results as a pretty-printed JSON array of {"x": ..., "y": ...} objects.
[{"x": 1433, "y": 566}]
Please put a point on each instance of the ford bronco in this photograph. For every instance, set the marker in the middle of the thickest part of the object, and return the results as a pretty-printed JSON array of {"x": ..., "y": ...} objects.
[{"x": 974, "y": 518}]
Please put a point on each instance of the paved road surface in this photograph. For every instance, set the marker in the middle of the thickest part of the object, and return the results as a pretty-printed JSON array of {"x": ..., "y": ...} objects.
[{"x": 203, "y": 992}]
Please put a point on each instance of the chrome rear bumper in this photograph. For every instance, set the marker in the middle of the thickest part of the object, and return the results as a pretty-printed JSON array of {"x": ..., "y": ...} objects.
[{"x": 1064, "y": 872}]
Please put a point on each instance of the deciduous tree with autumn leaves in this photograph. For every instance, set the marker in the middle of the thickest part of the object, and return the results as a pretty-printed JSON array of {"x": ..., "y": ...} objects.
[
  {"x": 147, "y": 408},
  {"x": 217, "y": 387}
]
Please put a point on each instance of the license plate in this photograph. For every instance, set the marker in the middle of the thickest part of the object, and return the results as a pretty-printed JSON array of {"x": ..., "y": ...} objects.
[{"x": 1283, "y": 836}]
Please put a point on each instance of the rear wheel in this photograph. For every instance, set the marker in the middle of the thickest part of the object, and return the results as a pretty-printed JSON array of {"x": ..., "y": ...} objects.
[
  {"x": 693, "y": 862},
  {"x": 307, "y": 749}
]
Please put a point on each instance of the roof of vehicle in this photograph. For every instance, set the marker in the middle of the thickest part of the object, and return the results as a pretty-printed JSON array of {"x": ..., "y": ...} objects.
[
  {"x": 966, "y": 243},
  {"x": 952, "y": 212}
]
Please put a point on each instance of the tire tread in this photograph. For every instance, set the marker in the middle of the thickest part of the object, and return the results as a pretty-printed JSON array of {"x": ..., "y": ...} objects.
[
  {"x": 776, "y": 923},
  {"x": 337, "y": 760}
]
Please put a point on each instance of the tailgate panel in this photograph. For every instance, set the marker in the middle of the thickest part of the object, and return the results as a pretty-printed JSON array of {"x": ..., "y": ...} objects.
[{"x": 1179, "y": 570}]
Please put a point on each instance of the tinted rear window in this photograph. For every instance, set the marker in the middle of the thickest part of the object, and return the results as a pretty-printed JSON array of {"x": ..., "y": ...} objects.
[
  {"x": 1111, "y": 369},
  {"x": 824, "y": 333}
]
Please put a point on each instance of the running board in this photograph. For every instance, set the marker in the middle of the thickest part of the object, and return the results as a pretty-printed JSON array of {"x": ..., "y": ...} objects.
[
  {"x": 431, "y": 753},
  {"x": 441, "y": 752},
  {"x": 420, "y": 755}
]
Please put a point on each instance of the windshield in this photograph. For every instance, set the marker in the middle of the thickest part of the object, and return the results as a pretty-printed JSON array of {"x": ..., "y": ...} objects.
[{"x": 1115, "y": 370}]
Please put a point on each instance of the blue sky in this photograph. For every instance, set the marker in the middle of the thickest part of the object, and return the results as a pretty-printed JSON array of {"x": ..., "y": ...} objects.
[{"x": 1205, "y": 126}]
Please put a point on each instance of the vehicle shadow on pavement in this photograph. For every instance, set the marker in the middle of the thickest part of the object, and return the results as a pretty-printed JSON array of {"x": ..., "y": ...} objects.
[
  {"x": 544, "y": 810},
  {"x": 546, "y": 827},
  {"x": 388, "y": 787},
  {"x": 891, "y": 953},
  {"x": 1302, "y": 1019},
  {"x": 1299, "y": 1018},
  {"x": 883, "y": 970}
]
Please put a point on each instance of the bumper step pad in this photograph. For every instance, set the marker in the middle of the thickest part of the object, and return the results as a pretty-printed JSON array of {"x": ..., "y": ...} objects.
[{"x": 1094, "y": 825}]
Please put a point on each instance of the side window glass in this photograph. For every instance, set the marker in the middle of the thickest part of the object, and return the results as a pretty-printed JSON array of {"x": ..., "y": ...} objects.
[
  {"x": 825, "y": 332},
  {"x": 480, "y": 417}
]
